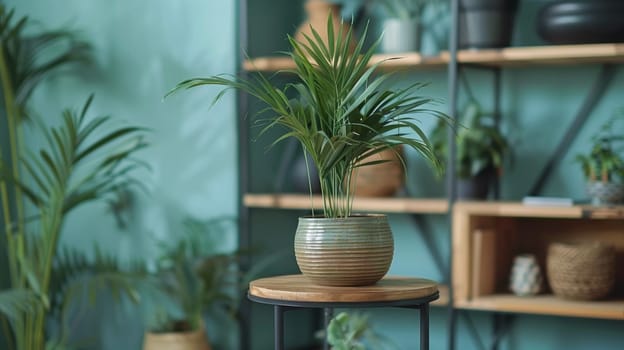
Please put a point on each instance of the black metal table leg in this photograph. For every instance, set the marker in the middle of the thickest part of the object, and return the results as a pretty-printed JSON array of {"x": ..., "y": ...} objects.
[
  {"x": 278, "y": 318},
  {"x": 329, "y": 313},
  {"x": 424, "y": 326}
]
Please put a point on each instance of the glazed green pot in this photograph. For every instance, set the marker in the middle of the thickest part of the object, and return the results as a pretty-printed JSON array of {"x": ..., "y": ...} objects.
[{"x": 353, "y": 251}]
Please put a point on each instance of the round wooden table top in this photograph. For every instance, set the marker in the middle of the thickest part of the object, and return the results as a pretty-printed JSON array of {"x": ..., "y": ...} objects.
[{"x": 297, "y": 288}]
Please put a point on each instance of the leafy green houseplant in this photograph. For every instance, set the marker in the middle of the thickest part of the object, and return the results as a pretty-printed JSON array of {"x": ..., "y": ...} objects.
[
  {"x": 197, "y": 279},
  {"x": 343, "y": 111},
  {"x": 354, "y": 331},
  {"x": 81, "y": 159},
  {"x": 603, "y": 166},
  {"x": 481, "y": 150}
]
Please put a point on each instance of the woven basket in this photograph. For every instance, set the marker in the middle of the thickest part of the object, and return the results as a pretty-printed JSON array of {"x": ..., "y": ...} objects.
[{"x": 581, "y": 271}]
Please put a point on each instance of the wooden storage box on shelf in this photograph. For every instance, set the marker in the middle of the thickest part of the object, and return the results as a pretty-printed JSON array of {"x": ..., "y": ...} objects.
[{"x": 486, "y": 238}]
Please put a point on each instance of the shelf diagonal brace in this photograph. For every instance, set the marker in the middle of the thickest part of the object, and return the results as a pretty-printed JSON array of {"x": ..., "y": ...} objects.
[
  {"x": 605, "y": 76},
  {"x": 473, "y": 331},
  {"x": 501, "y": 325},
  {"x": 432, "y": 247}
]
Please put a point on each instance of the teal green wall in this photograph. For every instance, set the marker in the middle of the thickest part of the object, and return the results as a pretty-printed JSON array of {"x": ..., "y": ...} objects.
[{"x": 142, "y": 49}]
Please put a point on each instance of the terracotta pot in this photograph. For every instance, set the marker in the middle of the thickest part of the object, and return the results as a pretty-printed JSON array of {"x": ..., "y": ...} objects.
[
  {"x": 317, "y": 12},
  {"x": 380, "y": 180},
  {"x": 353, "y": 251},
  {"x": 192, "y": 340}
]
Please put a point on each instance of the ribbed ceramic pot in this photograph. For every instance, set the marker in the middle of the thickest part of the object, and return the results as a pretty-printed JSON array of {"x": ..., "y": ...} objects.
[{"x": 353, "y": 251}]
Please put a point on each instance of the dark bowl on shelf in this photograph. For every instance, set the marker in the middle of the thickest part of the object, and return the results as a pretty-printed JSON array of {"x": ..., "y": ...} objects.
[
  {"x": 488, "y": 5},
  {"x": 582, "y": 22}
]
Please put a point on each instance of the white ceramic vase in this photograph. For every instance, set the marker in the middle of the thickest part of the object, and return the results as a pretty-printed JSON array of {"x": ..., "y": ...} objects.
[
  {"x": 526, "y": 276},
  {"x": 400, "y": 35}
]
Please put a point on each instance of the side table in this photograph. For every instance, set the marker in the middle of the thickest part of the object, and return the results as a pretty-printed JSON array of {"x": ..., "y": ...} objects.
[{"x": 295, "y": 291}]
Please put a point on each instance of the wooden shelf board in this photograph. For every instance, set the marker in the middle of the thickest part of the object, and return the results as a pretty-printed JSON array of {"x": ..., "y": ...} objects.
[
  {"x": 553, "y": 54},
  {"x": 516, "y": 209},
  {"x": 366, "y": 204},
  {"x": 510, "y": 56},
  {"x": 546, "y": 305},
  {"x": 392, "y": 61}
]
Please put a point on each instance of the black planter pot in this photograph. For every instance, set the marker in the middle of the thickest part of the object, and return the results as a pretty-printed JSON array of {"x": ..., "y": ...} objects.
[
  {"x": 475, "y": 187},
  {"x": 486, "y": 23},
  {"x": 582, "y": 22}
]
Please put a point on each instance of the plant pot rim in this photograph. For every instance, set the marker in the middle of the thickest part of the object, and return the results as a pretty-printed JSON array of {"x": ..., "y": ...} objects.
[
  {"x": 352, "y": 216},
  {"x": 175, "y": 335}
]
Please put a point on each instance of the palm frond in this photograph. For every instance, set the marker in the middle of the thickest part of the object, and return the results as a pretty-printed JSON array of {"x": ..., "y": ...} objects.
[
  {"x": 75, "y": 274},
  {"x": 32, "y": 57},
  {"x": 343, "y": 109},
  {"x": 15, "y": 302}
]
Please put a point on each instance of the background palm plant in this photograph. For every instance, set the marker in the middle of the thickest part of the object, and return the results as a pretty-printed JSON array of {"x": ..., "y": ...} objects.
[
  {"x": 342, "y": 113},
  {"x": 78, "y": 163},
  {"x": 195, "y": 276},
  {"x": 76, "y": 166}
]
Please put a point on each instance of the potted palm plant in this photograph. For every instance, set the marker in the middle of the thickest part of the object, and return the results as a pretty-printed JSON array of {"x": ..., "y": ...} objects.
[
  {"x": 342, "y": 113},
  {"x": 603, "y": 167},
  {"x": 481, "y": 149}
]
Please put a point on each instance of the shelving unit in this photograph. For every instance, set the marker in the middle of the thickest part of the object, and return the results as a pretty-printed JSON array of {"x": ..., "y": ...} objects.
[
  {"x": 505, "y": 229},
  {"x": 463, "y": 292}
]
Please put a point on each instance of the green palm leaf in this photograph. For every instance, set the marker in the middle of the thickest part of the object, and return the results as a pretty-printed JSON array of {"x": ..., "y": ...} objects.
[{"x": 15, "y": 302}]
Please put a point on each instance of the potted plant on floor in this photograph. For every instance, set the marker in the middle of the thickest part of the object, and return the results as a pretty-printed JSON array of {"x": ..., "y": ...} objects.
[
  {"x": 481, "y": 148},
  {"x": 197, "y": 279},
  {"x": 342, "y": 113},
  {"x": 603, "y": 167}
]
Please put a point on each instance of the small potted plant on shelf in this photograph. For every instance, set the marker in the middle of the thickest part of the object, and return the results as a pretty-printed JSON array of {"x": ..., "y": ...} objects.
[
  {"x": 481, "y": 149},
  {"x": 402, "y": 24},
  {"x": 197, "y": 279},
  {"x": 604, "y": 166},
  {"x": 341, "y": 112}
]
